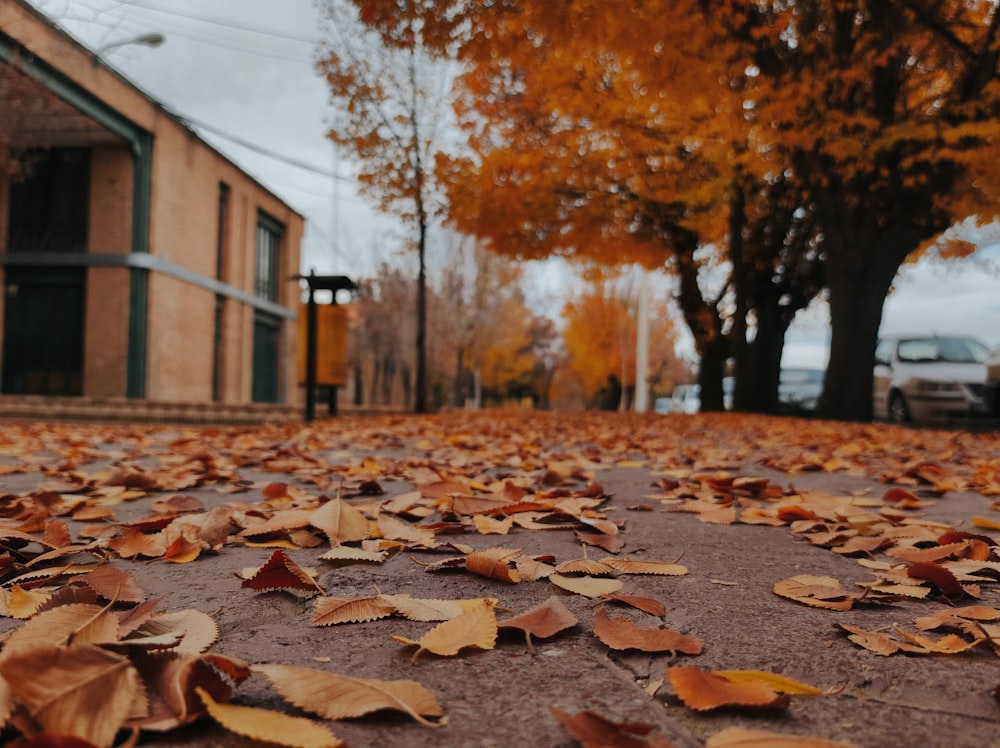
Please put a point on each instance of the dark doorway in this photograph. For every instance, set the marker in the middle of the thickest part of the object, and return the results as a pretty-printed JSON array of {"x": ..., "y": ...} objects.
[
  {"x": 43, "y": 331},
  {"x": 266, "y": 354},
  {"x": 48, "y": 208},
  {"x": 44, "y": 305}
]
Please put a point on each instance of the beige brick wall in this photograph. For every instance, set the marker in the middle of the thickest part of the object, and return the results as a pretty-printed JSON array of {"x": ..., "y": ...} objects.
[{"x": 106, "y": 333}]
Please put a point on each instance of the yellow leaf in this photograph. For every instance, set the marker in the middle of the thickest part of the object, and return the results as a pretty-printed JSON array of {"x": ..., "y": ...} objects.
[
  {"x": 474, "y": 628},
  {"x": 488, "y": 526},
  {"x": 264, "y": 724},
  {"x": 22, "y": 603},
  {"x": 334, "y": 696},
  {"x": 347, "y": 553},
  {"x": 779, "y": 683},
  {"x": 985, "y": 523},
  {"x": 586, "y": 586}
]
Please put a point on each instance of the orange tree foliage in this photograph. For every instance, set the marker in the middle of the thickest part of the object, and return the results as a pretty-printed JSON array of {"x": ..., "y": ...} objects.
[
  {"x": 600, "y": 338},
  {"x": 635, "y": 135}
]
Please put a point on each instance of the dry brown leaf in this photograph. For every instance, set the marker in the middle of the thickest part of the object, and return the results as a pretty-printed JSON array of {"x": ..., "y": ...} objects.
[
  {"x": 739, "y": 737},
  {"x": 57, "y": 534},
  {"x": 81, "y": 690},
  {"x": 819, "y": 592},
  {"x": 197, "y": 630},
  {"x": 114, "y": 584},
  {"x": 392, "y": 528},
  {"x": 341, "y": 522},
  {"x": 475, "y": 628},
  {"x": 645, "y": 604},
  {"x": 494, "y": 563},
  {"x": 959, "y": 618},
  {"x": 531, "y": 570},
  {"x": 609, "y": 543},
  {"x": 543, "y": 621},
  {"x": 703, "y": 690},
  {"x": 621, "y": 633},
  {"x": 584, "y": 566},
  {"x": 79, "y": 622},
  {"x": 626, "y": 566},
  {"x": 267, "y": 725},
  {"x": 422, "y": 609},
  {"x": 279, "y": 523},
  {"x": 586, "y": 586},
  {"x": 328, "y": 611},
  {"x": 489, "y": 526},
  {"x": 333, "y": 696},
  {"x": 132, "y": 543},
  {"x": 595, "y": 731}
]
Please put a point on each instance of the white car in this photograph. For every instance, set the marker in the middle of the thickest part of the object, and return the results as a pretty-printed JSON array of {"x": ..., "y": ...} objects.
[{"x": 932, "y": 379}]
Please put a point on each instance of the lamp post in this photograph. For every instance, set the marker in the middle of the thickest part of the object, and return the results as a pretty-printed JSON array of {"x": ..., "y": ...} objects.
[{"x": 154, "y": 39}]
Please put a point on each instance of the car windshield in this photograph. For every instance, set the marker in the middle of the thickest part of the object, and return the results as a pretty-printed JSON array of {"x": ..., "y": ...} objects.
[{"x": 955, "y": 350}]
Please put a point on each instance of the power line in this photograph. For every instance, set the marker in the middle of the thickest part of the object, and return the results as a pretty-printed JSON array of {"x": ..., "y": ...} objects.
[{"x": 268, "y": 152}]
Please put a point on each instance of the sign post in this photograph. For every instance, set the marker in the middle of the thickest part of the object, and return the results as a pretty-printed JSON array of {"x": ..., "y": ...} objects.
[{"x": 332, "y": 283}]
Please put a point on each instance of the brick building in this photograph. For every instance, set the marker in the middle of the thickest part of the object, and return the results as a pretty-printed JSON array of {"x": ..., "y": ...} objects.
[{"x": 141, "y": 268}]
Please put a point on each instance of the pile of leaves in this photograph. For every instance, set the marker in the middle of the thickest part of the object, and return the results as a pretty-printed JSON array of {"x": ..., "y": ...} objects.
[{"x": 94, "y": 659}]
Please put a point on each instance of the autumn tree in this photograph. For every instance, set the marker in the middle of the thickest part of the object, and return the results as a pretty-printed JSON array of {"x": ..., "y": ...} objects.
[
  {"x": 390, "y": 109},
  {"x": 885, "y": 112},
  {"x": 600, "y": 337}
]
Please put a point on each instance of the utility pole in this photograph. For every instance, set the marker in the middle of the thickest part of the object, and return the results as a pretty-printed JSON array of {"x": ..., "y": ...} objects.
[{"x": 642, "y": 345}]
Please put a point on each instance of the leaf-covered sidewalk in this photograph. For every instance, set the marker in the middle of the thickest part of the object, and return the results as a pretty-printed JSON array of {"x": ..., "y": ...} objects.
[{"x": 497, "y": 579}]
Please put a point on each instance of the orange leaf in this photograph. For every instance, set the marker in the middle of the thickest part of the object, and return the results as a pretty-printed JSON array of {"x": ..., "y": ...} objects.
[
  {"x": 703, "y": 690},
  {"x": 474, "y": 628},
  {"x": 197, "y": 630},
  {"x": 114, "y": 584},
  {"x": 421, "y": 609},
  {"x": 333, "y": 696},
  {"x": 78, "y": 622},
  {"x": 493, "y": 563},
  {"x": 182, "y": 550},
  {"x": 281, "y": 573},
  {"x": 543, "y": 621},
  {"x": 621, "y": 633},
  {"x": 645, "y": 604},
  {"x": 270, "y": 726},
  {"x": 595, "y": 731},
  {"x": 819, "y": 592}
]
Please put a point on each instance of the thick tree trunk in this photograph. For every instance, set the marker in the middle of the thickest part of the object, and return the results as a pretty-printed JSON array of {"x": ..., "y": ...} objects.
[
  {"x": 713, "y": 363},
  {"x": 758, "y": 367}
]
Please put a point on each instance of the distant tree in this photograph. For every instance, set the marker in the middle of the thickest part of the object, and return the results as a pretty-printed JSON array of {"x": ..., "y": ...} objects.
[{"x": 390, "y": 109}]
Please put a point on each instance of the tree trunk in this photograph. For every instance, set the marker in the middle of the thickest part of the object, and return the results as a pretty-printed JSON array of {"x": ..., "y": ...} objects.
[
  {"x": 713, "y": 364},
  {"x": 420, "y": 404}
]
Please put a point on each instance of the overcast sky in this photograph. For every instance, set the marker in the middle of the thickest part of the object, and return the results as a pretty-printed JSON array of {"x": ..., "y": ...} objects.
[{"x": 245, "y": 69}]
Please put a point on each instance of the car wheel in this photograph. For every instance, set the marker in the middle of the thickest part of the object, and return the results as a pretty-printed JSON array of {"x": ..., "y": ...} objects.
[{"x": 898, "y": 412}]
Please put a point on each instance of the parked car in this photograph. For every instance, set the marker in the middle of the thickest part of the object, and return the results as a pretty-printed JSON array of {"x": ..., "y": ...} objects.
[
  {"x": 799, "y": 390},
  {"x": 686, "y": 399},
  {"x": 932, "y": 379},
  {"x": 662, "y": 405}
]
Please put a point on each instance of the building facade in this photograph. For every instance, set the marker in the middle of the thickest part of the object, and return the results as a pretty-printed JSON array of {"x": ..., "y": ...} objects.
[{"x": 138, "y": 263}]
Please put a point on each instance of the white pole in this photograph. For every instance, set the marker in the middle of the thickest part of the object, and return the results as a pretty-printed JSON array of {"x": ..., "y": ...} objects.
[{"x": 642, "y": 346}]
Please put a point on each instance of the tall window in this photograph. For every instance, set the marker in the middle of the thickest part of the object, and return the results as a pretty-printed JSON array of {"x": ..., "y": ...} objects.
[{"x": 268, "y": 276}]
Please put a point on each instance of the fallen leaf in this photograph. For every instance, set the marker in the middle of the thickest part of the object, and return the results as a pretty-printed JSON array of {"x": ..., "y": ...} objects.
[
  {"x": 341, "y": 522},
  {"x": 646, "y": 604},
  {"x": 819, "y": 592},
  {"x": 703, "y": 690},
  {"x": 114, "y": 584},
  {"x": 937, "y": 575},
  {"x": 494, "y": 563},
  {"x": 267, "y": 725},
  {"x": 350, "y": 554},
  {"x": 626, "y": 566},
  {"x": 328, "y": 611},
  {"x": 586, "y": 586},
  {"x": 542, "y": 621},
  {"x": 333, "y": 696},
  {"x": 595, "y": 731},
  {"x": 621, "y": 633},
  {"x": 739, "y": 737},
  {"x": 81, "y": 690},
  {"x": 280, "y": 572},
  {"x": 476, "y": 628},
  {"x": 182, "y": 550},
  {"x": 780, "y": 683}
]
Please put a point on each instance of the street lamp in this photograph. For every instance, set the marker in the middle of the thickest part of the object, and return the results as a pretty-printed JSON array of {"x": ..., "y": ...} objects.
[{"x": 154, "y": 39}]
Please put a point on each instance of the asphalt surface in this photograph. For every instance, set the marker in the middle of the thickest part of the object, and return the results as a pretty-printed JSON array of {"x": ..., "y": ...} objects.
[{"x": 503, "y": 696}]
